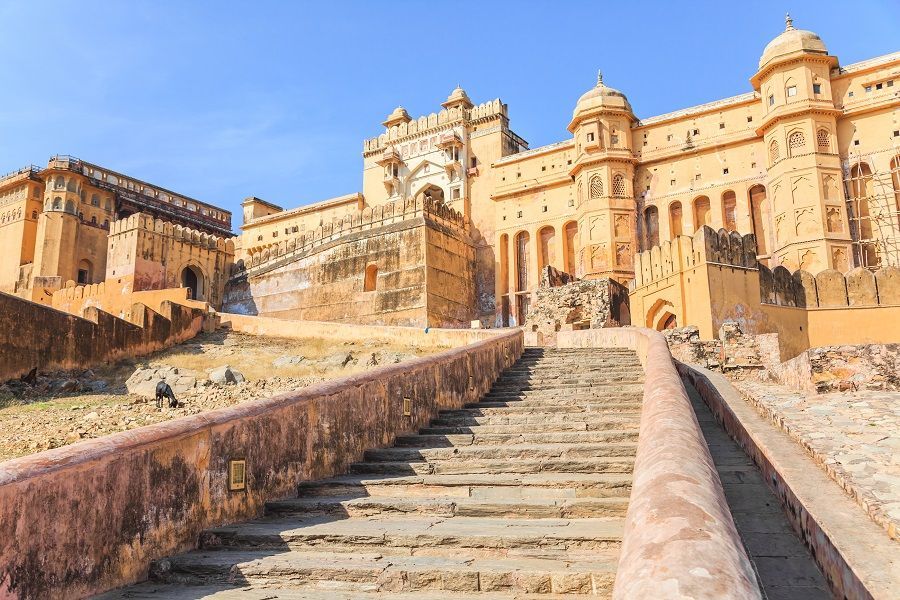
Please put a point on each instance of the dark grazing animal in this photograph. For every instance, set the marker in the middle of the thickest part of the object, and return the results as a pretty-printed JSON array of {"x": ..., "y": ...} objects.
[
  {"x": 31, "y": 378},
  {"x": 164, "y": 390}
]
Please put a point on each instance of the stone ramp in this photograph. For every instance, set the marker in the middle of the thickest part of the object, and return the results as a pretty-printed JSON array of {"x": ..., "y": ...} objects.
[{"x": 522, "y": 495}]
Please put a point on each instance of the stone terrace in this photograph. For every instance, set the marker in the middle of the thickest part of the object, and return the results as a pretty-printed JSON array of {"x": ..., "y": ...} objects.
[
  {"x": 854, "y": 436},
  {"x": 521, "y": 494}
]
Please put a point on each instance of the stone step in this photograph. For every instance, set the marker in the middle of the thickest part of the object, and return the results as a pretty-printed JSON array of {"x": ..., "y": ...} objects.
[
  {"x": 376, "y": 572},
  {"x": 325, "y": 590},
  {"x": 444, "y": 506},
  {"x": 606, "y": 379},
  {"x": 561, "y": 400},
  {"x": 491, "y": 537},
  {"x": 541, "y": 421},
  {"x": 534, "y": 408},
  {"x": 478, "y": 439},
  {"x": 617, "y": 464},
  {"x": 502, "y": 452},
  {"x": 587, "y": 423},
  {"x": 503, "y": 486},
  {"x": 566, "y": 392}
]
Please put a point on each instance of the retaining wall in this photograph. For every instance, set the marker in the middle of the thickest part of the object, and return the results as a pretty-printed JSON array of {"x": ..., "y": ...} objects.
[
  {"x": 680, "y": 540},
  {"x": 855, "y": 557},
  {"x": 85, "y": 518},
  {"x": 417, "y": 336},
  {"x": 34, "y": 335}
]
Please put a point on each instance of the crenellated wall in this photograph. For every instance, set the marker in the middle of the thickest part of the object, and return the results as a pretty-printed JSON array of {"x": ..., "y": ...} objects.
[
  {"x": 154, "y": 254},
  {"x": 35, "y": 336},
  {"x": 406, "y": 263},
  {"x": 713, "y": 277}
]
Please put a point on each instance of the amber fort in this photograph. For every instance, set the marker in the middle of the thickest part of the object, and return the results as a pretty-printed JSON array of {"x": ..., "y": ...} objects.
[{"x": 657, "y": 358}]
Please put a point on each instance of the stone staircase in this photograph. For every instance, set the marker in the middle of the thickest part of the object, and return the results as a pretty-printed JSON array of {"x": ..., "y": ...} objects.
[{"x": 520, "y": 495}]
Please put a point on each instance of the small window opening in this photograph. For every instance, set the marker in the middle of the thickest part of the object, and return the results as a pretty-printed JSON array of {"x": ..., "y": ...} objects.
[{"x": 371, "y": 278}]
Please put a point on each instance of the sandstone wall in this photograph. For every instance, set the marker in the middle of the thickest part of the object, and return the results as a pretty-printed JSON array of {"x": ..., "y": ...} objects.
[
  {"x": 153, "y": 254},
  {"x": 84, "y": 518},
  {"x": 423, "y": 262},
  {"x": 33, "y": 335},
  {"x": 114, "y": 297}
]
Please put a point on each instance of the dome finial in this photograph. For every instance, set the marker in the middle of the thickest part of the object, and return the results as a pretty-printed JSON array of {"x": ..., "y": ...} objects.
[
  {"x": 788, "y": 22},
  {"x": 599, "y": 77}
]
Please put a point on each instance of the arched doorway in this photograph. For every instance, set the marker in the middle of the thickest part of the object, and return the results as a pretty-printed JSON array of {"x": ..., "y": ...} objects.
[
  {"x": 651, "y": 227},
  {"x": 675, "y": 222},
  {"x": 571, "y": 232},
  {"x": 431, "y": 192},
  {"x": 546, "y": 255},
  {"x": 192, "y": 279},
  {"x": 759, "y": 209},
  {"x": 85, "y": 272}
]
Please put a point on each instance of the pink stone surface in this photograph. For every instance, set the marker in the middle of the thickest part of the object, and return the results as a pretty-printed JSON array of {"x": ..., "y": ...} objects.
[
  {"x": 84, "y": 518},
  {"x": 680, "y": 540}
]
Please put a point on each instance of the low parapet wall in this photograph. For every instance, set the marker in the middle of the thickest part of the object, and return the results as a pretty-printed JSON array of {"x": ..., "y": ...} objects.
[
  {"x": 417, "y": 336},
  {"x": 85, "y": 518},
  {"x": 36, "y": 336},
  {"x": 679, "y": 540}
]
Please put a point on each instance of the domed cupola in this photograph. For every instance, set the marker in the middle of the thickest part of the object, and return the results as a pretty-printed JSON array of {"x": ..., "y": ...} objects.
[
  {"x": 791, "y": 41},
  {"x": 600, "y": 96},
  {"x": 399, "y": 115},
  {"x": 458, "y": 97}
]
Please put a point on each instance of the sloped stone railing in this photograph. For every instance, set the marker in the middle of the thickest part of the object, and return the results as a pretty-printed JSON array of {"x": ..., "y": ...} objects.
[
  {"x": 680, "y": 540},
  {"x": 85, "y": 518}
]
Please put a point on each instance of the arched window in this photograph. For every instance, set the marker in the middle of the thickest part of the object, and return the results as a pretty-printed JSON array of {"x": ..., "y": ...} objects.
[
  {"x": 702, "y": 213},
  {"x": 823, "y": 140},
  {"x": 796, "y": 141},
  {"x": 729, "y": 210},
  {"x": 774, "y": 152},
  {"x": 522, "y": 239},
  {"x": 34, "y": 214},
  {"x": 596, "y": 187},
  {"x": 371, "y": 278},
  {"x": 651, "y": 227},
  {"x": 93, "y": 220},
  {"x": 95, "y": 200},
  {"x": 59, "y": 183},
  {"x": 618, "y": 185},
  {"x": 546, "y": 256},
  {"x": 571, "y": 232},
  {"x": 70, "y": 207},
  {"x": 759, "y": 207},
  {"x": 57, "y": 203},
  {"x": 675, "y": 227}
]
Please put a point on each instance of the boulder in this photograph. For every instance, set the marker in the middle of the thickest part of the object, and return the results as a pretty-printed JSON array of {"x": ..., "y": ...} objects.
[
  {"x": 286, "y": 361},
  {"x": 225, "y": 375},
  {"x": 339, "y": 360}
]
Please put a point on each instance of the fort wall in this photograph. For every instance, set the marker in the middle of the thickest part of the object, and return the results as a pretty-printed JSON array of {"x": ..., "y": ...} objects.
[
  {"x": 713, "y": 277},
  {"x": 404, "y": 263},
  {"x": 36, "y": 336},
  {"x": 114, "y": 297},
  {"x": 140, "y": 495},
  {"x": 154, "y": 254}
]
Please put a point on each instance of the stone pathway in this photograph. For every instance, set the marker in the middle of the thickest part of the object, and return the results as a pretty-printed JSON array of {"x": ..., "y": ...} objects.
[
  {"x": 522, "y": 495},
  {"x": 784, "y": 567},
  {"x": 854, "y": 436}
]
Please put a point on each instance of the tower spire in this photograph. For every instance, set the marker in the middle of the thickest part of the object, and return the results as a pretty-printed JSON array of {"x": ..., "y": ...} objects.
[
  {"x": 599, "y": 77},
  {"x": 788, "y": 22}
]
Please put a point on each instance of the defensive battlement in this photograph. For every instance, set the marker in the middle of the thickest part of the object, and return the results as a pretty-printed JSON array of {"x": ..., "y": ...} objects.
[
  {"x": 684, "y": 252},
  {"x": 434, "y": 120},
  {"x": 829, "y": 288},
  {"x": 368, "y": 218},
  {"x": 186, "y": 235}
]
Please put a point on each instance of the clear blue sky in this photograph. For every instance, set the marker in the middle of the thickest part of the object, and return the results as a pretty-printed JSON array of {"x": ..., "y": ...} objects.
[{"x": 223, "y": 100}]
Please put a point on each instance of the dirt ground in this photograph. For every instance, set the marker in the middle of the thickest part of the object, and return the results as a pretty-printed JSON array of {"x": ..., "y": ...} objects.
[{"x": 63, "y": 408}]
